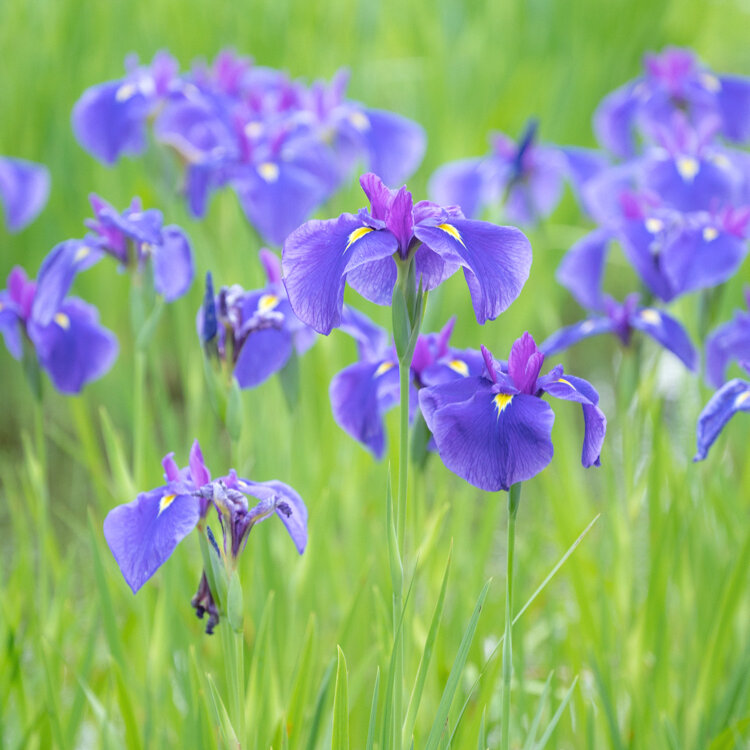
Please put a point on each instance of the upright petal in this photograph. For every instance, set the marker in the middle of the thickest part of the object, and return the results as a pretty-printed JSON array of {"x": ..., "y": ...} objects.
[
  {"x": 614, "y": 121},
  {"x": 734, "y": 104},
  {"x": 668, "y": 332},
  {"x": 725, "y": 403},
  {"x": 142, "y": 534},
  {"x": 74, "y": 349},
  {"x": 525, "y": 363},
  {"x": 173, "y": 264},
  {"x": 496, "y": 260},
  {"x": 199, "y": 473},
  {"x": 24, "y": 189},
  {"x": 493, "y": 440},
  {"x": 571, "y": 388},
  {"x": 459, "y": 183}
]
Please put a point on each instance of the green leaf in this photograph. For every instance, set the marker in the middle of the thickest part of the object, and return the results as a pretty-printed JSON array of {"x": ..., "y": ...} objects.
[
  {"x": 147, "y": 329},
  {"x": 302, "y": 680},
  {"x": 441, "y": 716},
  {"x": 289, "y": 381},
  {"x": 340, "y": 740},
  {"x": 319, "y": 703},
  {"x": 373, "y": 713},
  {"x": 216, "y": 574},
  {"x": 535, "y": 722},
  {"x": 482, "y": 738},
  {"x": 222, "y": 715},
  {"x": 118, "y": 463},
  {"x": 556, "y": 718},
  {"x": 420, "y": 438},
  {"x": 235, "y": 611},
  {"x": 424, "y": 662},
  {"x": 730, "y": 738}
]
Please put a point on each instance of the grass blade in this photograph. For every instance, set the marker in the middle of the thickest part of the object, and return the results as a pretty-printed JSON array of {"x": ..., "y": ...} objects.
[
  {"x": 340, "y": 739},
  {"x": 373, "y": 713},
  {"x": 556, "y": 718}
]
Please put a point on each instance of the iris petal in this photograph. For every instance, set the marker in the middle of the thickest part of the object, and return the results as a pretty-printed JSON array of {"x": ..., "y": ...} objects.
[{"x": 725, "y": 403}]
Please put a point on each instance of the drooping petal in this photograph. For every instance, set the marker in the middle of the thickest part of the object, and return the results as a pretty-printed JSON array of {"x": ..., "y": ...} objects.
[
  {"x": 375, "y": 280},
  {"x": 496, "y": 260},
  {"x": 110, "y": 120},
  {"x": 730, "y": 341},
  {"x": 734, "y": 104},
  {"x": 173, "y": 264},
  {"x": 263, "y": 354},
  {"x": 10, "y": 324},
  {"x": 24, "y": 189},
  {"x": 571, "y": 388},
  {"x": 456, "y": 365},
  {"x": 668, "y": 332},
  {"x": 614, "y": 121},
  {"x": 317, "y": 257},
  {"x": 725, "y": 403},
  {"x": 372, "y": 340},
  {"x": 582, "y": 269},
  {"x": 56, "y": 275},
  {"x": 643, "y": 245},
  {"x": 459, "y": 183},
  {"x": 566, "y": 337},
  {"x": 493, "y": 440},
  {"x": 360, "y": 395},
  {"x": 142, "y": 534},
  {"x": 582, "y": 165},
  {"x": 74, "y": 349}
]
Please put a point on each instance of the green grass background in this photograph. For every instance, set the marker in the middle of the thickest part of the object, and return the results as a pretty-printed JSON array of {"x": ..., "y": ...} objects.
[{"x": 651, "y": 612}]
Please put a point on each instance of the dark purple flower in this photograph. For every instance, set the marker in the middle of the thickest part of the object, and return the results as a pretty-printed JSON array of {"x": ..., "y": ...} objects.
[
  {"x": 24, "y": 189},
  {"x": 362, "y": 393},
  {"x": 321, "y": 256},
  {"x": 494, "y": 430},
  {"x": 526, "y": 178},
  {"x": 673, "y": 82},
  {"x": 729, "y": 342},
  {"x": 71, "y": 346},
  {"x": 143, "y": 534},
  {"x": 622, "y": 320},
  {"x": 732, "y": 397},
  {"x": 254, "y": 332}
]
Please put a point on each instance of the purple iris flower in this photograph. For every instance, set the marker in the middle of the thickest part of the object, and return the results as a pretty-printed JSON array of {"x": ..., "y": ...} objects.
[
  {"x": 729, "y": 342},
  {"x": 527, "y": 178},
  {"x": 362, "y": 393},
  {"x": 494, "y": 430},
  {"x": 622, "y": 320},
  {"x": 24, "y": 189},
  {"x": 732, "y": 397},
  {"x": 142, "y": 534},
  {"x": 109, "y": 120},
  {"x": 321, "y": 256},
  {"x": 673, "y": 81},
  {"x": 255, "y": 331},
  {"x": 71, "y": 346},
  {"x": 135, "y": 238}
]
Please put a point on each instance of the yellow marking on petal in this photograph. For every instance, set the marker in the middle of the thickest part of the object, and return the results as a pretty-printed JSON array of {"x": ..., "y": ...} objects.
[
  {"x": 650, "y": 316},
  {"x": 254, "y": 129},
  {"x": 357, "y": 234},
  {"x": 452, "y": 231},
  {"x": 81, "y": 253},
  {"x": 710, "y": 83},
  {"x": 125, "y": 92},
  {"x": 459, "y": 366},
  {"x": 267, "y": 302},
  {"x": 721, "y": 161},
  {"x": 360, "y": 121},
  {"x": 688, "y": 167},
  {"x": 165, "y": 502},
  {"x": 269, "y": 171},
  {"x": 587, "y": 326},
  {"x": 654, "y": 225},
  {"x": 147, "y": 248},
  {"x": 383, "y": 368},
  {"x": 741, "y": 398},
  {"x": 567, "y": 382},
  {"x": 62, "y": 320},
  {"x": 710, "y": 233},
  {"x": 501, "y": 402}
]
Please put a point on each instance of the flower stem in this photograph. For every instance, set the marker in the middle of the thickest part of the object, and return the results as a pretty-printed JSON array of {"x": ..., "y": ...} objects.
[
  {"x": 514, "y": 497},
  {"x": 233, "y": 646},
  {"x": 404, "y": 371},
  {"x": 139, "y": 425}
]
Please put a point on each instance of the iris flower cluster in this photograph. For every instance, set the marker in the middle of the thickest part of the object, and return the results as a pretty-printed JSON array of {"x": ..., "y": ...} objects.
[
  {"x": 143, "y": 533},
  {"x": 24, "y": 189},
  {"x": 283, "y": 146},
  {"x": 527, "y": 178},
  {"x": 680, "y": 204}
]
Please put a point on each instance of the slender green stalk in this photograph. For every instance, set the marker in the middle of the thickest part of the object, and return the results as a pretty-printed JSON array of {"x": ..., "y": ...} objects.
[
  {"x": 233, "y": 647},
  {"x": 139, "y": 413},
  {"x": 514, "y": 497},
  {"x": 43, "y": 508},
  {"x": 404, "y": 372}
]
